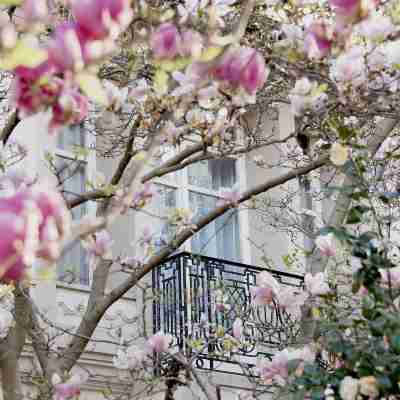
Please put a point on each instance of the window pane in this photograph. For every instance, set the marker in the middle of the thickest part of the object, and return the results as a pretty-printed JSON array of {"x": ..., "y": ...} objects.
[
  {"x": 213, "y": 174},
  {"x": 73, "y": 266},
  {"x": 220, "y": 238},
  {"x": 70, "y": 136},
  {"x": 163, "y": 203}
]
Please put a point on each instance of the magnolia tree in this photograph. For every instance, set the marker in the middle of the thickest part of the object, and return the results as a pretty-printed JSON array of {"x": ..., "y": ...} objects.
[{"x": 195, "y": 76}]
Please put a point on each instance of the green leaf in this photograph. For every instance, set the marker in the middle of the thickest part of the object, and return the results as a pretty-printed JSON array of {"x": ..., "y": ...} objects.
[
  {"x": 395, "y": 342},
  {"x": 345, "y": 132},
  {"x": 11, "y": 2},
  {"x": 355, "y": 214}
]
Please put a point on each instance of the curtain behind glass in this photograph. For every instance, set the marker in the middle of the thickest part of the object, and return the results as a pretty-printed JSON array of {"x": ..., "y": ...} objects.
[{"x": 213, "y": 174}]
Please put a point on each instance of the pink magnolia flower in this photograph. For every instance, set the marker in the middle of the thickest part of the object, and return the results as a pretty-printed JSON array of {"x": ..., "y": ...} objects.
[
  {"x": 165, "y": 41},
  {"x": 237, "y": 328},
  {"x": 65, "y": 49},
  {"x": 243, "y": 67},
  {"x": 34, "y": 221},
  {"x": 376, "y": 27},
  {"x": 316, "y": 285},
  {"x": 391, "y": 275},
  {"x": 31, "y": 13},
  {"x": 266, "y": 290},
  {"x": 275, "y": 370},
  {"x": 195, "y": 75},
  {"x": 318, "y": 40},
  {"x": 363, "y": 291},
  {"x": 34, "y": 89},
  {"x": 352, "y": 11},
  {"x": 71, "y": 107},
  {"x": 326, "y": 245},
  {"x": 12, "y": 266},
  {"x": 101, "y": 19},
  {"x": 291, "y": 301},
  {"x": 160, "y": 342},
  {"x": 99, "y": 245},
  {"x": 69, "y": 389},
  {"x": 229, "y": 196},
  {"x": 191, "y": 43},
  {"x": 144, "y": 196},
  {"x": 306, "y": 96}
]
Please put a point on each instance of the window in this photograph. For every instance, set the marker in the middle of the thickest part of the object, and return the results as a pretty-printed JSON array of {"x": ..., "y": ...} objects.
[
  {"x": 220, "y": 238},
  {"x": 198, "y": 188},
  {"x": 73, "y": 173}
]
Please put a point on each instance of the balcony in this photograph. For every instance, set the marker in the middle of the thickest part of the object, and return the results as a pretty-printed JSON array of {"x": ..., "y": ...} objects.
[{"x": 187, "y": 288}]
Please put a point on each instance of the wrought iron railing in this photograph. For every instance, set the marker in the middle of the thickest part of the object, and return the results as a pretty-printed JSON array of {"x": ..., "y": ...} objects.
[{"x": 186, "y": 289}]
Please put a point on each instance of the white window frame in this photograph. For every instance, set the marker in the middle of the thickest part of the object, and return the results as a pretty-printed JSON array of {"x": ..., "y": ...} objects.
[
  {"x": 183, "y": 188},
  {"x": 89, "y": 141}
]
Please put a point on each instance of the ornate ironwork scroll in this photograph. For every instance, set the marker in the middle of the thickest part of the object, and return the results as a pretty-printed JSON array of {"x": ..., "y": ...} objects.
[{"x": 185, "y": 288}]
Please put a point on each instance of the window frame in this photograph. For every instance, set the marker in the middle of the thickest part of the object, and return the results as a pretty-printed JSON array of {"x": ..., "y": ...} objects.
[
  {"x": 89, "y": 162},
  {"x": 183, "y": 188}
]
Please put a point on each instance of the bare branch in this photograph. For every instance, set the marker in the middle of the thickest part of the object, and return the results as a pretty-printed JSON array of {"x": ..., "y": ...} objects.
[{"x": 9, "y": 127}]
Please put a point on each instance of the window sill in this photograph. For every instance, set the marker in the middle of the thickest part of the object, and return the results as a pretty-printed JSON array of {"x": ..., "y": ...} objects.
[{"x": 84, "y": 289}]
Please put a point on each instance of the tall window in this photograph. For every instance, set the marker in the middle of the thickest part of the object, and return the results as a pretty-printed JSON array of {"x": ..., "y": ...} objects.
[
  {"x": 73, "y": 173},
  {"x": 198, "y": 188}
]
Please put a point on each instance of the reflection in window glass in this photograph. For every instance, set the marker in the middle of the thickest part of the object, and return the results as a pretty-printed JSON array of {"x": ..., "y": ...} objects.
[
  {"x": 163, "y": 203},
  {"x": 213, "y": 174},
  {"x": 220, "y": 238},
  {"x": 73, "y": 266}
]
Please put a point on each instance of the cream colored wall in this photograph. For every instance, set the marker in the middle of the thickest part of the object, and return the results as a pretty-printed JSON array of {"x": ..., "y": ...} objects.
[{"x": 268, "y": 241}]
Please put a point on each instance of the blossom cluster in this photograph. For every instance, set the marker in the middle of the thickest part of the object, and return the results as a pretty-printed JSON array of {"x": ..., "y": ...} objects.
[
  {"x": 60, "y": 80},
  {"x": 33, "y": 220},
  {"x": 134, "y": 357}
]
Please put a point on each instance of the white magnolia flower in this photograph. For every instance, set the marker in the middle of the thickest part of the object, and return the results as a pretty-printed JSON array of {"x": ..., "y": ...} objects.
[
  {"x": 369, "y": 387},
  {"x": 116, "y": 97},
  {"x": 327, "y": 244},
  {"x": 131, "y": 358},
  {"x": 316, "y": 285},
  {"x": 392, "y": 51},
  {"x": 6, "y": 322},
  {"x": 339, "y": 154},
  {"x": 348, "y": 388},
  {"x": 350, "y": 68}
]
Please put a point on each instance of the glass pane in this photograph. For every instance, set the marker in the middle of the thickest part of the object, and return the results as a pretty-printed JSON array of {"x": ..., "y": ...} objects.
[
  {"x": 220, "y": 238},
  {"x": 213, "y": 174},
  {"x": 70, "y": 136},
  {"x": 73, "y": 266},
  {"x": 163, "y": 203}
]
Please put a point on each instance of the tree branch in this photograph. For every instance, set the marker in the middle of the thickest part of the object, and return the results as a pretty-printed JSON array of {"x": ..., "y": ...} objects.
[
  {"x": 343, "y": 200},
  {"x": 98, "y": 304},
  {"x": 9, "y": 127},
  {"x": 158, "y": 258},
  {"x": 11, "y": 348}
]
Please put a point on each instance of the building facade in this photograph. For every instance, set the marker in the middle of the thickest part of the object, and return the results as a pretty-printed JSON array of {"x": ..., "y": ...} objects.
[{"x": 239, "y": 236}]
